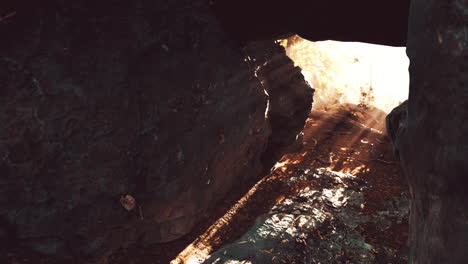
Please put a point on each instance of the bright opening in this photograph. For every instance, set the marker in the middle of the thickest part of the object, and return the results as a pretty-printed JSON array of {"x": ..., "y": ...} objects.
[
  {"x": 352, "y": 72},
  {"x": 330, "y": 199}
]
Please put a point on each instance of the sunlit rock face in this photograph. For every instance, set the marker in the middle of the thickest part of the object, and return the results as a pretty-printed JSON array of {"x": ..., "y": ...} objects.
[
  {"x": 319, "y": 224},
  {"x": 122, "y": 123},
  {"x": 290, "y": 96},
  {"x": 434, "y": 150}
]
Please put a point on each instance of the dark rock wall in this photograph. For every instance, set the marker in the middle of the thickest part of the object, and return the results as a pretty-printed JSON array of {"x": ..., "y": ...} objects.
[
  {"x": 379, "y": 22},
  {"x": 290, "y": 95},
  {"x": 396, "y": 122},
  {"x": 100, "y": 99},
  {"x": 434, "y": 148}
]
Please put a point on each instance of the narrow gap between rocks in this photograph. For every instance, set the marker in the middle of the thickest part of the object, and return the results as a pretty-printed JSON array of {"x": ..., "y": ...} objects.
[{"x": 338, "y": 195}]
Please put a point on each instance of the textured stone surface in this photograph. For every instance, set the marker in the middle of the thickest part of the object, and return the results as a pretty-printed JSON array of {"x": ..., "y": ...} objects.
[
  {"x": 100, "y": 99},
  {"x": 150, "y": 98},
  {"x": 434, "y": 149},
  {"x": 319, "y": 224},
  {"x": 396, "y": 123},
  {"x": 290, "y": 96}
]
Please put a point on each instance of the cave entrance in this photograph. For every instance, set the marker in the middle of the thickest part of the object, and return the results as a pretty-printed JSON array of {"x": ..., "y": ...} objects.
[
  {"x": 353, "y": 81},
  {"x": 357, "y": 73},
  {"x": 356, "y": 86},
  {"x": 337, "y": 195}
]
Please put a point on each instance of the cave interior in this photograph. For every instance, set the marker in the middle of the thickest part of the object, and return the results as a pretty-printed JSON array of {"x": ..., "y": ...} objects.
[{"x": 185, "y": 132}]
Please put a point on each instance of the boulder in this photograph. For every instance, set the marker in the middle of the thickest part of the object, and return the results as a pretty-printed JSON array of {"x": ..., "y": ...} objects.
[{"x": 434, "y": 149}]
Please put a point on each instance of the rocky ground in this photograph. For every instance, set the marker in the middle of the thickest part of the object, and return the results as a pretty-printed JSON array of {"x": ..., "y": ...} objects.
[
  {"x": 322, "y": 223},
  {"x": 337, "y": 197}
]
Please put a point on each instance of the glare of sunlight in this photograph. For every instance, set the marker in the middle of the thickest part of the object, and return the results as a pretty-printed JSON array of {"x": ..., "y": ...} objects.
[{"x": 352, "y": 72}]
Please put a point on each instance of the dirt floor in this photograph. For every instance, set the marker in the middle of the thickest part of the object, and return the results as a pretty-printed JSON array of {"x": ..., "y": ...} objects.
[{"x": 340, "y": 138}]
